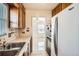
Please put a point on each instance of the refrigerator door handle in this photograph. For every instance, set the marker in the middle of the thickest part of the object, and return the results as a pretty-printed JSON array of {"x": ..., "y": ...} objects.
[
  {"x": 71, "y": 8},
  {"x": 56, "y": 36}
]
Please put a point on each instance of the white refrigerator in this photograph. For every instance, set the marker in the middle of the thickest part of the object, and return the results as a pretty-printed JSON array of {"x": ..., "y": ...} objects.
[{"x": 65, "y": 34}]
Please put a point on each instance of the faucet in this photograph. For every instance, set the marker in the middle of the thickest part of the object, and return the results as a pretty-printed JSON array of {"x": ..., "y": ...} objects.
[{"x": 4, "y": 45}]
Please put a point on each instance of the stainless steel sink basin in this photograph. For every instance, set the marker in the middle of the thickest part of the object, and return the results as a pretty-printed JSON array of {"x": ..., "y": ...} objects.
[
  {"x": 9, "y": 52},
  {"x": 11, "y": 49},
  {"x": 14, "y": 45}
]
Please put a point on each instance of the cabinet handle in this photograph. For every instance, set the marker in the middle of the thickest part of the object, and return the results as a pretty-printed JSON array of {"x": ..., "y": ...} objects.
[{"x": 71, "y": 8}]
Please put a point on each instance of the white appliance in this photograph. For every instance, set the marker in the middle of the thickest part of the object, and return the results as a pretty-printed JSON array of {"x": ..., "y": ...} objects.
[{"x": 65, "y": 39}]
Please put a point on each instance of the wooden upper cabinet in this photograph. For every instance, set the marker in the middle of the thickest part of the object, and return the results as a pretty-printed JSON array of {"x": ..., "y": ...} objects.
[
  {"x": 13, "y": 16},
  {"x": 64, "y": 5},
  {"x": 59, "y": 8},
  {"x": 17, "y": 8},
  {"x": 21, "y": 22}
]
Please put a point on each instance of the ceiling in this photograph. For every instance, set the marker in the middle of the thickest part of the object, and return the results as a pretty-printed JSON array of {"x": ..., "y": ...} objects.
[{"x": 40, "y": 6}]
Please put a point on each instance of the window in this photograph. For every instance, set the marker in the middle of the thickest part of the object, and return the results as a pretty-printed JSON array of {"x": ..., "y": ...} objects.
[{"x": 3, "y": 19}]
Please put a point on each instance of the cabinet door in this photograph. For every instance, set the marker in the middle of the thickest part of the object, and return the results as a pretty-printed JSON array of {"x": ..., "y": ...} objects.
[
  {"x": 68, "y": 31},
  {"x": 57, "y": 9},
  {"x": 21, "y": 16},
  {"x": 65, "y": 5},
  {"x": 14, "y": 18}
]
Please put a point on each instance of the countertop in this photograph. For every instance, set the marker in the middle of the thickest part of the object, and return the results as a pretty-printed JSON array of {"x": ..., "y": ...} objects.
[
  {"x": 25, "y": 46},
  {"x": 25, "y": 39},
  {"x": 18, "y": 39}
]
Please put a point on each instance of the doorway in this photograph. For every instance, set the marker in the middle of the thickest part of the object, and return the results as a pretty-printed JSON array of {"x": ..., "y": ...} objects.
[{"x": 39, "y": 33}]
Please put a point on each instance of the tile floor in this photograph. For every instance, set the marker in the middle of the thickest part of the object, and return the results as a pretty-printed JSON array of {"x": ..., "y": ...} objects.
[{"x": 42, "y": 53}]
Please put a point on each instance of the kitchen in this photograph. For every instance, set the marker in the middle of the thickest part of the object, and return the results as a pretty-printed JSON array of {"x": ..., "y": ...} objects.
[{"x": 35, "y": 29}]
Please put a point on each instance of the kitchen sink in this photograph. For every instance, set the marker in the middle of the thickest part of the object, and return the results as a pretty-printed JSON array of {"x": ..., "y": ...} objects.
[
  {"x": 9, "y": 52},
  {"x": 15, "y": 45},
  {"x": 12, "y": 49}
]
